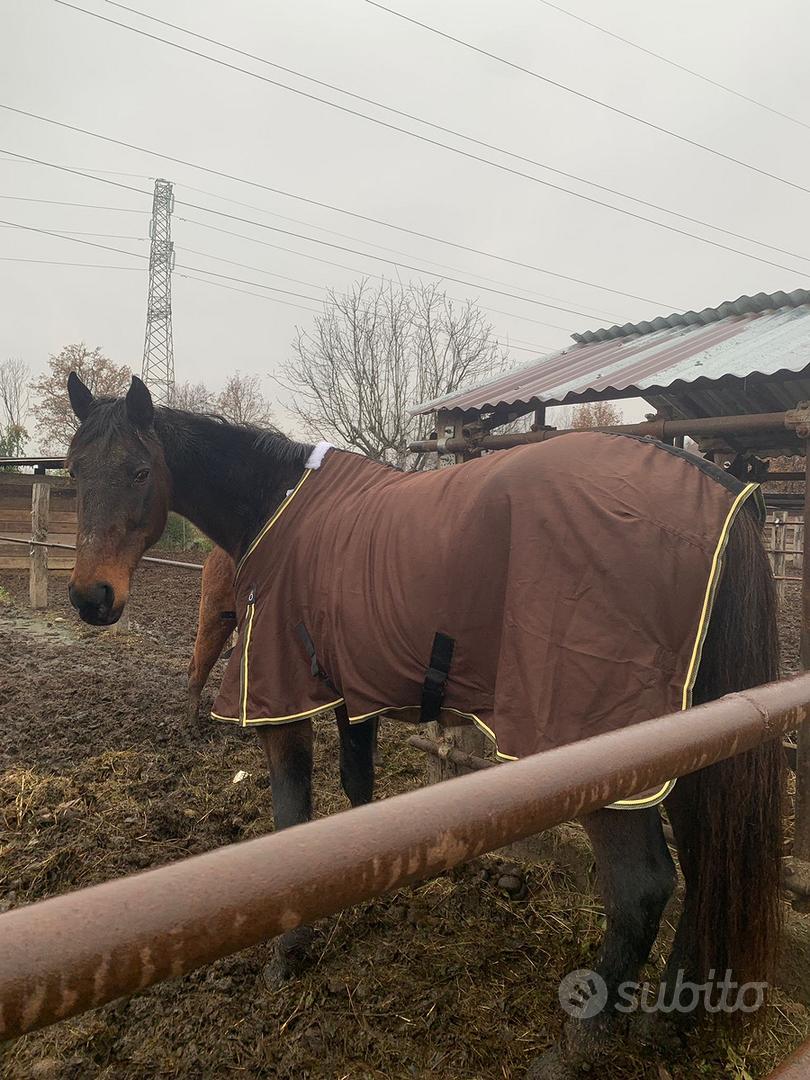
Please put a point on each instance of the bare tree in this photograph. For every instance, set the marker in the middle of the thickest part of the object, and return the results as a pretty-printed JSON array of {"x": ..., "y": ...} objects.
[
  {"x": 14, "y": 378},
  {"x": 55, "y": 420},
  {"x": 242, "y": 401},
  {"x": 591, "y": 414},
  {"x": 375, "y": 353},
  {"x": 192, "y": 397},
  {"x": 14, "y": 400}
]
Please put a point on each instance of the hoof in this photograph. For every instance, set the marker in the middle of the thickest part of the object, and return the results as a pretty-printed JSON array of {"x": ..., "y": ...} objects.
[
  {"x": 551, "y": 1066},
  {"x": 291, "y": 955},
  {"x": 276, "y": 973},
  {"x": 662, "y": 1032}
]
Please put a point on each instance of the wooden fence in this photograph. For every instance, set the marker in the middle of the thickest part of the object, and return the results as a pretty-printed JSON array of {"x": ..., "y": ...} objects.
[
  {"x": 53, "y": 500},
  {"x": 784, "y": 542}
]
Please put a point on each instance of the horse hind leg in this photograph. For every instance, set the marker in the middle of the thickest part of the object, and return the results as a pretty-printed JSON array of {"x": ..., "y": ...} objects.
[
  {"x": 636, "y": 879},
  {"x": 289, "y": 756},
  {"x": 358, "y": 743}
]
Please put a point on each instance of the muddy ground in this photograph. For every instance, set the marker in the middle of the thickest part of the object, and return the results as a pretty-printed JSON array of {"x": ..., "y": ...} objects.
[{"x": 453, "y": 978}]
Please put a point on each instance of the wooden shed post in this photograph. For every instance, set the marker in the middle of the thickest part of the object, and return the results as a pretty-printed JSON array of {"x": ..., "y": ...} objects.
[
  {"x": 460, "y": 736},
  {"x": 801, "y": 841},
  {"x": 38, "y": 581}
]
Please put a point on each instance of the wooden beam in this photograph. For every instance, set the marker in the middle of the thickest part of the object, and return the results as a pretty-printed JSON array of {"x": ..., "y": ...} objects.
[
  {"x": 38, "y": 581},
  {"x": 801, "y": 836}
]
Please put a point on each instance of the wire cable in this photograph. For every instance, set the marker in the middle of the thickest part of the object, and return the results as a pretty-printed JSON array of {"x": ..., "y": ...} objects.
[
  {"x": 338, "y": 265},
  {"x": 336, "y": 209},
  {"x": 79, "y": 232},
  {"x": 354, "y": 251},
  {"x": 577, "y": 93},
  {"x": 665, "y": 60},
  {"x": 445, "y": 146},
  {"x": 451, "y": 131},
  {"x": 87, "y": 206}
]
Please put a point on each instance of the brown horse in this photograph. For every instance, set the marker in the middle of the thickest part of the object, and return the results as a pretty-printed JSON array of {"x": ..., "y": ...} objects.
[
  {"x": 216, "y": 623},
  {"x": 133, "y": 463}
]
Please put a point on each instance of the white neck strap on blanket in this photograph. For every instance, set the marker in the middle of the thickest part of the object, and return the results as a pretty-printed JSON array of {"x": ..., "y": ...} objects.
[
  {"x": 318, "y": 454},
  {"x": 316, "y": 457}
]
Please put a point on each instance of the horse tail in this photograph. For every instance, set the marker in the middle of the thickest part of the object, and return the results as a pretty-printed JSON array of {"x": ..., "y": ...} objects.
[{"x": 730, "y": 842}]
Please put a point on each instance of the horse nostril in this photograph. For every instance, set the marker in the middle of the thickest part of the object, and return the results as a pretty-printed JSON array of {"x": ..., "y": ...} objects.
[
  {"x": 108, "y": 596},
  {"x": 93, "y": 602}
]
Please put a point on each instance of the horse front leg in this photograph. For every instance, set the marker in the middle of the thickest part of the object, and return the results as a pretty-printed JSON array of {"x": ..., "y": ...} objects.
[
  {"x": 358, "y": 745},
  {"x": 289, "y": 757},
  {"x": 212, "y": 634},
  {"x": 636, "y": 880}
]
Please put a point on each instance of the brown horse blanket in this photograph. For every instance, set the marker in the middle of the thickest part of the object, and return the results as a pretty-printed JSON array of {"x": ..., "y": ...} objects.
[{"x": 573, "y": 580}]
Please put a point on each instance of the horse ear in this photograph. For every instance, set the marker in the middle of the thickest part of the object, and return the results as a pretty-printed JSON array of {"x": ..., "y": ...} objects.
[
  {"x": 140, "y": 410},
  {"x": 81, "y": 398}
]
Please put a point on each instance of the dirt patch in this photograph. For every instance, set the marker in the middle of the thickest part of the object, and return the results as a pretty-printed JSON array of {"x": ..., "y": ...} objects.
[{"x": 452, "y": 978}]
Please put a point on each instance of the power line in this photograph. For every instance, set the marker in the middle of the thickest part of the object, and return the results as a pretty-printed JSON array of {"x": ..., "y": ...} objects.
[
  {"x": 667, "y": 60},
  {"x": 256, "y": 284},
  {"x": 204, "y": 281},
  {"x": 280, "y": 247},
  {"x": 348, "y": 236},
  {"x": 60, "y": 202},
  {"x": 73, "y": 239},
  {"x": 435, "y": 126},
  {"x": 58, "y": 262},
  {"x": 144, "y": 258},
  {"x": 341, "y": 210},
  {"x": 208, "y": 210},
  {"x": 106, "y": 172},
  {"x": 354, "y": 251},
  {"x": 188, "y": 277},
  {"x": 343, "y": 266},
  {"x": 577, "y": 93},
  {"x": 77, "y": 232},
  {"x": 457, "y": 150}
]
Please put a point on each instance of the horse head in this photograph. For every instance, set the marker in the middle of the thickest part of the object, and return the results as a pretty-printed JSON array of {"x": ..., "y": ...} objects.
[{"x": 123, "y": 487}]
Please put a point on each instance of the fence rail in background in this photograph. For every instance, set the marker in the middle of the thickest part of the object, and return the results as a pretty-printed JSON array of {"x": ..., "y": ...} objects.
[
  {"x": 72, "y": 547},
  {"x": 18, "y": 505},
  {"x": 75, "y": 952}
]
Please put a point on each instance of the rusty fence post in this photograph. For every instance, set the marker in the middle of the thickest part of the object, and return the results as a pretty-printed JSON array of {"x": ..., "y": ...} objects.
[
  {"x": 40, "y": 509},
  {"x": 801, "y": 841}
]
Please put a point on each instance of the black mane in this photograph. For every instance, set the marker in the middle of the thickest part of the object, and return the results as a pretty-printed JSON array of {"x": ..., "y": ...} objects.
[
  {"x": 192, "y": 431},
  {"x": 226, "y": 478}
]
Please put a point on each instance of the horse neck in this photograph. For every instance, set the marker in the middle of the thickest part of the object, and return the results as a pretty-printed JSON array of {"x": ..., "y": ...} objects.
[{"x": 226, "y": 479}]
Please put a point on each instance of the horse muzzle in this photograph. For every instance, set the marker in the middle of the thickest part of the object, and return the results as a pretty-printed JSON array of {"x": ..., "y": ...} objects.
[{"x": 96, "y": 604}]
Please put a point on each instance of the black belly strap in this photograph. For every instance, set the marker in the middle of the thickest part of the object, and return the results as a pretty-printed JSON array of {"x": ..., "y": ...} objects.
[{"x": 436, "y": 676}]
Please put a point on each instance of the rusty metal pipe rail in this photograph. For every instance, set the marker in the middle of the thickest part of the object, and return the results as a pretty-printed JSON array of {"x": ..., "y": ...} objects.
[
  {"x": 796, "y": 1067},
  {"x": 658, "y": 429},
  {"x": 60, "y": 957},
  {"x": 72, "y": 547}
]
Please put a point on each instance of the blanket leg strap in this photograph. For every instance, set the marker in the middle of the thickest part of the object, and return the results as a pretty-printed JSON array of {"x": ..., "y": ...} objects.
[
  {"x": 435, "y": 683},
  {"x": 314, "y": 666}
]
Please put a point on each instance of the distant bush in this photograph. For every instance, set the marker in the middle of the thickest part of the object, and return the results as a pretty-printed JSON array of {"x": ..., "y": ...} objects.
[{"x": 181, "y": 535}]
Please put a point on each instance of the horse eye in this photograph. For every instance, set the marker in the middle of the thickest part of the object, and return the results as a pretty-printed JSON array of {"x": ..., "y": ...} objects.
[{"x": 141, "y": 475}]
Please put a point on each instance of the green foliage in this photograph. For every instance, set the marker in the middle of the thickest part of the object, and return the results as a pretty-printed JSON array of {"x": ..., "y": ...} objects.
[
  {"x": 12, "y": 443},
  {"x": 181, "y": 535}
]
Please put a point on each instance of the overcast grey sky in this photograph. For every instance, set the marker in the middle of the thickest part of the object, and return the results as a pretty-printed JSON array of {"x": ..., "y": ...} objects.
[{"x": 79, "y": 70}]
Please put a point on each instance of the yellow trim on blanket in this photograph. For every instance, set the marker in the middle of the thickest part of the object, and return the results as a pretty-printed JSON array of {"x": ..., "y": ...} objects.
[
  {"x": 689, "y": 683},
  {"x": 700, "y": 639},
  {"x": 248, "y": 722},
  {"x": 711, "y": 590},
  {"x": 276, "y": 515}
]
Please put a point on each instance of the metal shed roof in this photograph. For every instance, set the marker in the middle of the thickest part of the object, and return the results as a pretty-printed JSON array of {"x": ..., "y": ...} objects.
[{"x": 746, "y": 355}]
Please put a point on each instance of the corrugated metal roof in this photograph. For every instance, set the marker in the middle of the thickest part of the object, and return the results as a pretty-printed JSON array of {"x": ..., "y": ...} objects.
[{"x": 722, "y": 360}]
